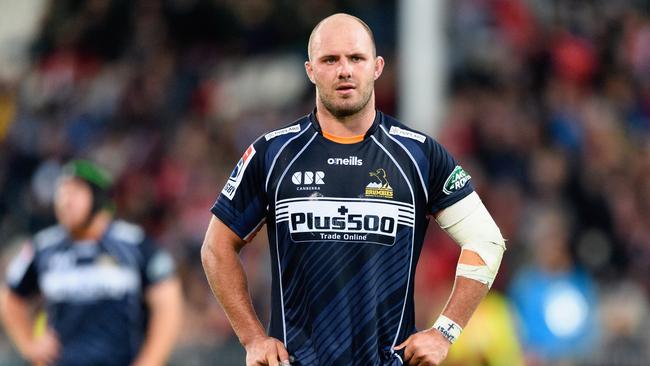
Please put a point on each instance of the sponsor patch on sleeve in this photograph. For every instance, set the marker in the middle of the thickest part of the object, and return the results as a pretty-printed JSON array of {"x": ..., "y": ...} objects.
[
  {"x": 456, "y": 180},
  {"x": 394, "y": 130},
  {"x": 235, "y": 178},
  {"x": 284, "y": 131}
]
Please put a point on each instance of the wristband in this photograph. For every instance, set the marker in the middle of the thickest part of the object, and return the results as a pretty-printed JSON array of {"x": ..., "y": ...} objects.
[{"x": 449, "y": 328}]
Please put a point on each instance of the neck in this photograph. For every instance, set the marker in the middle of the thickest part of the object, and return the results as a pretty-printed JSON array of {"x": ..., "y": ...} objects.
[
  {"x": 94, "y": 231},
  {"x": 348, "y": 126}
]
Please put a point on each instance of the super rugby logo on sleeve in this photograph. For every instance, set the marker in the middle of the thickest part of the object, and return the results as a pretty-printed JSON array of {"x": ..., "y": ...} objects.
[
  {"x": 235, "y": 178},
  {"x": 344, "y": 220},
  {"x": 456, "y": 180}
]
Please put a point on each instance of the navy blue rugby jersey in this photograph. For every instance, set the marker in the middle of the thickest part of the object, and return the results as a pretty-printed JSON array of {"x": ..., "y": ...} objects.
[
  {"x": 94, "y": 292},
  {"x": 346, "y": 224}
]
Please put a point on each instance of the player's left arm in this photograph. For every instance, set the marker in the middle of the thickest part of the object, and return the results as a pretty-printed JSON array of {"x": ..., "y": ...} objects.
[
  {"x": 471, "y": 226},
  {"x": 165, "y": 303}
]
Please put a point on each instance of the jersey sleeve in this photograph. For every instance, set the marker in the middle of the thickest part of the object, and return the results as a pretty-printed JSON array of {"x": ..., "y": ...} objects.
[
  {"x": 448, "y": 181},
  {"x": 242, "y": 203},
  {"x": 22, "y": 275},
  {"x": 157, "y": 264}
]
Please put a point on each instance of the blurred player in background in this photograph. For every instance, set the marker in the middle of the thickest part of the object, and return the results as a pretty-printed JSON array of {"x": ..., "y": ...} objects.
[
  {"x": 347, "y": 192},
  {"x": 111, "y": 296}
]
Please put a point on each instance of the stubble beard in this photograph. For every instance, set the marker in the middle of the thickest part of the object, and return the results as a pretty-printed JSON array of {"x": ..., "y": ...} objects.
[{"x": 342, "y": 110}]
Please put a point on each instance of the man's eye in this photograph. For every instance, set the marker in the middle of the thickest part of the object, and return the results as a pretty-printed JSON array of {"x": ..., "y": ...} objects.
[
  {"x": 356, "y": 58},
  {"x": 329, "y": 61}
]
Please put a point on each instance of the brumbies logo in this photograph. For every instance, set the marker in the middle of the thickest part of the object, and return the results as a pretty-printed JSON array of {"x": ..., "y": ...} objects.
[
  {"x": 235, "y": 178},
  {"x": 380, "y": 187},
  {"x": 456, "y": 180}
]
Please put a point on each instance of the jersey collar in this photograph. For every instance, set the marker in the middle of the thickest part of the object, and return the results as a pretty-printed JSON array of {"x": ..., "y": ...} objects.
[{"x": 373, "y": 128}]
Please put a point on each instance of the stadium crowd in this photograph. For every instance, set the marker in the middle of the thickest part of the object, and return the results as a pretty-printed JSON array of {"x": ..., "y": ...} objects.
[{"x": 548, "y": 108}]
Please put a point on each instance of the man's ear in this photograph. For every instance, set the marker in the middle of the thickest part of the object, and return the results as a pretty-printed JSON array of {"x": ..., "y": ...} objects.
[
  {"x": 310, "y": 72},
  {"x": 379, "y": 66}
]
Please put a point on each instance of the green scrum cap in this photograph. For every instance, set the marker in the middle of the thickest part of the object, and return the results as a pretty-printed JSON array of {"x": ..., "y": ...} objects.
[{"x": 99, "y": 180}]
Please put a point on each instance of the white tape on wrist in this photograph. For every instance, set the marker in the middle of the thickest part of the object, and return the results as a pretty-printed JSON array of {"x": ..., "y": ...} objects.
[{"x": 449, "y": 328}]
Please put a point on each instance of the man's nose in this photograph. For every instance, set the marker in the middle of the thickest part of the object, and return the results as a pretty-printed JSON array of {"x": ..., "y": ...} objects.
[{"x": 345, "y": 69}]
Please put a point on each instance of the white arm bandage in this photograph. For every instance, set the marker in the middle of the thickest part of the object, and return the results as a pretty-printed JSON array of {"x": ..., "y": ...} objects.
[{"x": 469, "y": 223}]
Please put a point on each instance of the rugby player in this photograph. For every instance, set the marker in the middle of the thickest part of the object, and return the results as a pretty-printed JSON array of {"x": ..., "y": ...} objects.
[
  {"x": 346, "y": 193},
  {"x": 111, "y": 296}
]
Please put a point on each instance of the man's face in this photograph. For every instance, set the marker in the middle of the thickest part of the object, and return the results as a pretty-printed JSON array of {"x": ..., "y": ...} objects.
[
  {"x": 72, "y": 203},
  {"x": 343, "y": 66}
]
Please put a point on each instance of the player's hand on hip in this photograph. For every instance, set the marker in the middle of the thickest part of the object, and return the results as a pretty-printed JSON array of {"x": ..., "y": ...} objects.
[
  {"x": 425, "y": 348},
  {"x": 44, "y": 349},
  {"x": 266, "y": 351}
]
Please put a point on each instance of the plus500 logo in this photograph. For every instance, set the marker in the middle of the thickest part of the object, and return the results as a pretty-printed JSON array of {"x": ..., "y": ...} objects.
[
  {"x": 301, "y": 221},
  {"x": 326, "y": 220}
]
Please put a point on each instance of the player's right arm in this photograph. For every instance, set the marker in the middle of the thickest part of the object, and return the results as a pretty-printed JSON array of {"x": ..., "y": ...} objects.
[
  {"x": 15, "y": 311},
  {"x": 42, "y": 350},
  {"x": 220, "y": 257}
]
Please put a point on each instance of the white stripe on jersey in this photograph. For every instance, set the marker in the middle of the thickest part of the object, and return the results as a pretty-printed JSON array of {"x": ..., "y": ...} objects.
[
  {"x": 252, "y": 233},
  {"x": 277, "y": 246},
  {"x": 417, "y": 167},
  {"x": 397, "y": 203},
  {"x": 408, "y": 281},
  {"x": 275, "y": 158}
]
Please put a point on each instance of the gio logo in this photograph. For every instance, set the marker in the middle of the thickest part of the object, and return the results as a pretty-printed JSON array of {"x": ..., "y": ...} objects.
[{"x": 306, "y": 178}]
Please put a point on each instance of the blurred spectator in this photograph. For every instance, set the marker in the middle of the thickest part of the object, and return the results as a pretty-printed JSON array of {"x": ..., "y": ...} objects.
[
  {"x": 554, "y": 300},
  {"x": 624, "y": 312}
]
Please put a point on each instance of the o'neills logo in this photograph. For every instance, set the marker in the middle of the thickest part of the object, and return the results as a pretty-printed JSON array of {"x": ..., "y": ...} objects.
[
  {"x": 351, "y": 160},
  {"x": 380, "y": 187}
]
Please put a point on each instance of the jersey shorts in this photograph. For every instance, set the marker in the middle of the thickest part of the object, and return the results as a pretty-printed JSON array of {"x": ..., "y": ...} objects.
[
  {"x": 93, "y": 292},
  {"x": 346, "y": 224}
]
